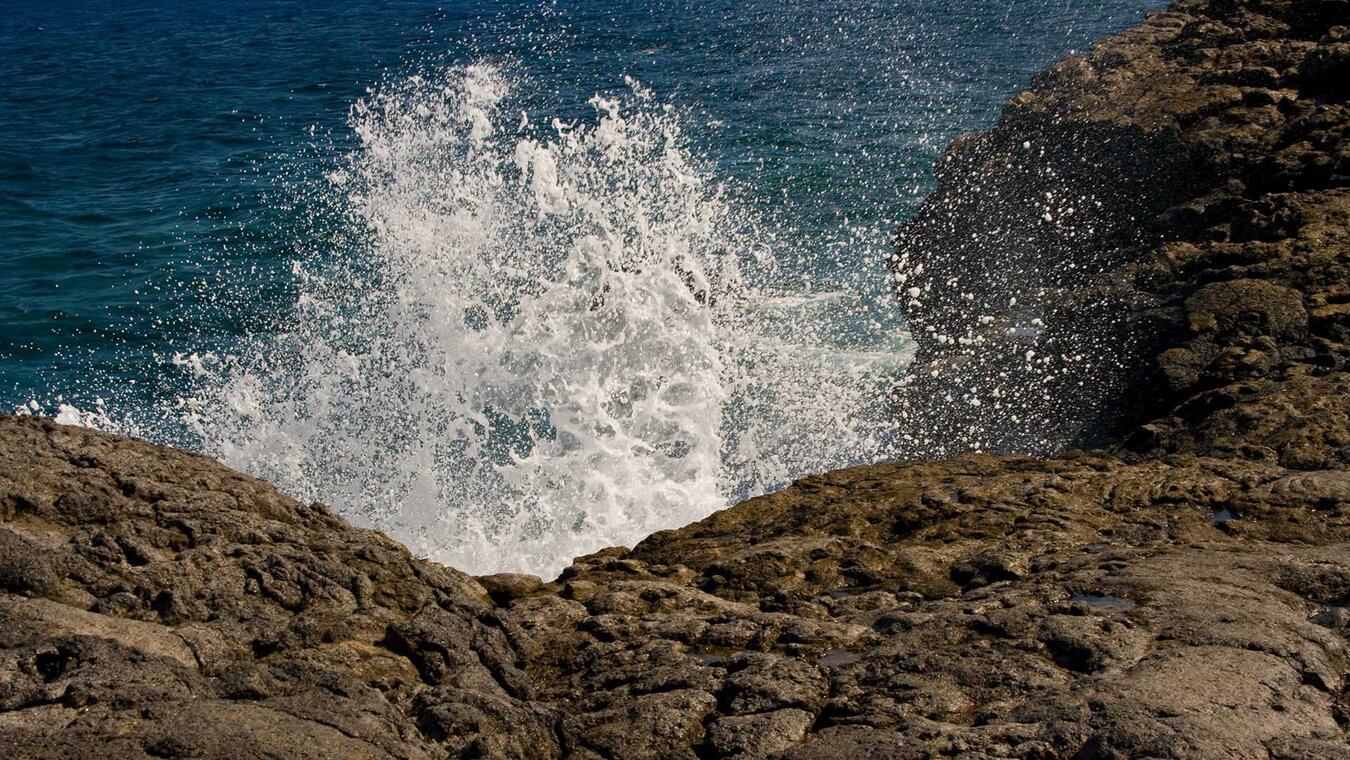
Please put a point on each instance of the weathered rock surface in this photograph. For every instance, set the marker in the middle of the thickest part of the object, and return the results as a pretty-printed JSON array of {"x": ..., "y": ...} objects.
[
  {"x": 156, "y": 603},
  {"x": 1182, "y": 594},
  {"x": 1152, "y": 230}
]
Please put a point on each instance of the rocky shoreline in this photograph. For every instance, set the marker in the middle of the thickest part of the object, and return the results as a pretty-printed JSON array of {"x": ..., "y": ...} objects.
[
  {"x": 1180, "y": 592},
  {"x": 1164, "y": 215}
]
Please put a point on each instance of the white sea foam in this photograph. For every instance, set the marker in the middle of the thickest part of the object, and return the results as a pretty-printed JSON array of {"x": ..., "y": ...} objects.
[
  {"x": 530, "y": 341},
  {"x": 95, "y": 414}
]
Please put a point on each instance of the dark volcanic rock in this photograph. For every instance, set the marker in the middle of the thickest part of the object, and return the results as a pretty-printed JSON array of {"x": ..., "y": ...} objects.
[
  {"x": 1164, "y": 216},
  {"x": 1183, "y": 594}
]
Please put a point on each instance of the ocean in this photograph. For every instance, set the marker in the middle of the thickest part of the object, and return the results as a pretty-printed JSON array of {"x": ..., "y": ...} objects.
[{"x": 511, "y": 281}]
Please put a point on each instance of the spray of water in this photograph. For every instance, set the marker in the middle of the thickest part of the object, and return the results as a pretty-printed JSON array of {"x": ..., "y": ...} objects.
[{"x": 532, "y": 340}]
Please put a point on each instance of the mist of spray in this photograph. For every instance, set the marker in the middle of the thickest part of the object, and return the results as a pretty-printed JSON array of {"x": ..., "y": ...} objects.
[{"x": 529, "y": 340}]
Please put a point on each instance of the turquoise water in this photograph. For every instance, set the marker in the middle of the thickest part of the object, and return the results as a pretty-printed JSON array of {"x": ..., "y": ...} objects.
[{"x": 180, "y": 185}]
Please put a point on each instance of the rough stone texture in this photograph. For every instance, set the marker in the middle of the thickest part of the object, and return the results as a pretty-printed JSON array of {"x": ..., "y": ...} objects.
[
  {"x": 158, "y": 603},
  {"x": 992, "y": 606},
  {"x": 1164, "y": 217},
  {"x": 1184, "y": 593}
]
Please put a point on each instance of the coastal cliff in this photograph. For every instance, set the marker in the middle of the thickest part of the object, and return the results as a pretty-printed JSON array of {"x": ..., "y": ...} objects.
[
  {"x": 1179, "y": 592},
  {"x": 1147, "y": 225}
]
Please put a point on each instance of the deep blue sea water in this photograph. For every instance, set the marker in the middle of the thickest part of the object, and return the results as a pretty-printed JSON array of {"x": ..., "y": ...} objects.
[{"x": 164, "y": 165}]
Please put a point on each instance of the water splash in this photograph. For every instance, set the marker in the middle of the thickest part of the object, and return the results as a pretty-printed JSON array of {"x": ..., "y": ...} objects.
[
  {"x": 525, "y": 341},
  {"x": 95, "y": 415}
]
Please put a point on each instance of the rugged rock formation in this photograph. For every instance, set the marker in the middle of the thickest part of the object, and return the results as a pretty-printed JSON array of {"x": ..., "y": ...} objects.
[
  {"x": 1182, "y": 594},
  {"x": 1175, "y": 203},
  {"x": 156, "y": 603}
]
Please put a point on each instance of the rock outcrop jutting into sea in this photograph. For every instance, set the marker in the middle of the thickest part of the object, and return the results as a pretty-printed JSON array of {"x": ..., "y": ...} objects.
[
  {"x": 1148, "y": 225},
  {"x": 1181, "y": 593}
]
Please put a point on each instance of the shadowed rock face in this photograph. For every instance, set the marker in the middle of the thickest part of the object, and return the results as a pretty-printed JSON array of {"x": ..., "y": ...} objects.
[
  {"x": 1184, "y": 594},
  {"x": 1161, "y": 217}
]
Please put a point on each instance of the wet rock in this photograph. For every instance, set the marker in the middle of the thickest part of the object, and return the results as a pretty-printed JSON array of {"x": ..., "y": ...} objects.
[
  {"x": 1153, "y": 219},
  {"x": 1089, "y": 604}
]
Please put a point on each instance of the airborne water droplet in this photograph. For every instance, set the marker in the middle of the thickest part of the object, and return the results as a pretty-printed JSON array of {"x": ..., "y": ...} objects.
[{"x": 521, "y": 349}]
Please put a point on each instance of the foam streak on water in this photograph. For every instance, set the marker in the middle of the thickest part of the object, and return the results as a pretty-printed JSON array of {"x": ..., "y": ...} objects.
[{"x": 531, "y": 340}]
